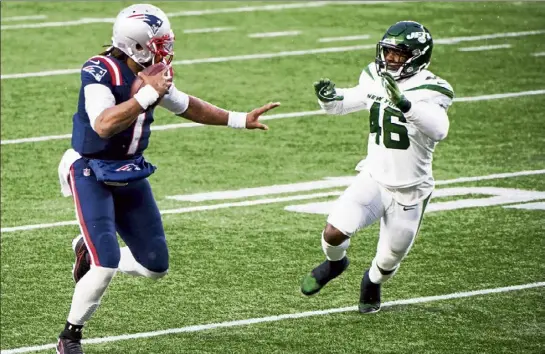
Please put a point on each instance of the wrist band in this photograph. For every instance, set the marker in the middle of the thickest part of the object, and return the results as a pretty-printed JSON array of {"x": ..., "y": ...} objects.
[
  {"x": 237, "y": 120},
  {"x": 146, "y": 96}
]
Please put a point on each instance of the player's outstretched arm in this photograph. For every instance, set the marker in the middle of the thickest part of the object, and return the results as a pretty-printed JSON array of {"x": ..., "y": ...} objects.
[
  {"x": 117, "y": 118},
  {"x": 205, "y": 113},
  {"x": 339, "y": 101}
]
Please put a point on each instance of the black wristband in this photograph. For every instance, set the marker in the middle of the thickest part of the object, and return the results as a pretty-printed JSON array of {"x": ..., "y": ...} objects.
[{"x": 404, "y": 105}]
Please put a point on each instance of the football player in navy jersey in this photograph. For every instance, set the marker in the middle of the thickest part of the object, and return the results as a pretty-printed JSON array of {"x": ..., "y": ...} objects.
[{"x": 105, "y": 170}]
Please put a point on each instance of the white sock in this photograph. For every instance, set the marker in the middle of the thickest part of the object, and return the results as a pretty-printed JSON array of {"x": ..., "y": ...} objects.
[
  {"x": 129, "y": 265},
  {"x": 88, "y": 292},
  {"x": 376, "y": 276},
  {"x": 335, "y": 253}
]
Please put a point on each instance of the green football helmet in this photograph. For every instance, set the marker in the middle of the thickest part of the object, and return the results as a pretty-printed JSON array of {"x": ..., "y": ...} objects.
[{"x": 410, "y": 41}]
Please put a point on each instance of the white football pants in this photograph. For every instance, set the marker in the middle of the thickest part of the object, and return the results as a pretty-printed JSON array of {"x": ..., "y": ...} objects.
[{"x": 364, "y": 202}]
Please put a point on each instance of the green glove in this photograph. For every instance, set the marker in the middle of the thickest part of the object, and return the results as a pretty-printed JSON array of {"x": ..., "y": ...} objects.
[
  {"x": 395, "y": 94},
  {"x": 325, "y": 91}
]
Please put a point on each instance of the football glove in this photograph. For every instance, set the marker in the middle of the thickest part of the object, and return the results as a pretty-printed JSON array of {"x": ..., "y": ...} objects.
[
  {"x": 325, "y": 91},
  {"x": 394, "y": 93}
]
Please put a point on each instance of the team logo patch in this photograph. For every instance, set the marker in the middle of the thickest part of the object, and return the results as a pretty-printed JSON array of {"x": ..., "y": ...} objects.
[
  {"x": 95, "y": 70},
  {"x": 153, "y": 21},
  {"x": 128, "y": 167}
]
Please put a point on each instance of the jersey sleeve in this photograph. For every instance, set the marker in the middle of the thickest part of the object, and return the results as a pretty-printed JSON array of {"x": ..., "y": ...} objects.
[
  {"x": 355, "y": 98},
  {"x": 101, "y": 70},
  {"x": 175, "y": 101}
]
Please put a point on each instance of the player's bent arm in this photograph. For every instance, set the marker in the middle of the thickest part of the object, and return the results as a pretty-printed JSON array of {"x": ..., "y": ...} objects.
[
  {"x": 430, "y": 118},
  {"x": 107, "y": 118},
  {"x": 355, "y": 99}
]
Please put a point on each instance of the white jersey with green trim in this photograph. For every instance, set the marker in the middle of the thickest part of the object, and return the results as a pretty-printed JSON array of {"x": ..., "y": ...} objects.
[{"x": 400, "y": 147}]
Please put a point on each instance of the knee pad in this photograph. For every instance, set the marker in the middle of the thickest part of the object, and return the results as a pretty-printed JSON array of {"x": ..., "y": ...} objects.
[
  {"x": 379, "y": 275},
  {"x": 154, "y": 258}
]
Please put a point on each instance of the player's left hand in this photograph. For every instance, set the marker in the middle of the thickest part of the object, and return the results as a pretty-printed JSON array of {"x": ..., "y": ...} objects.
[
  {"x": 394, "y": 93},
  {"x": 252, "y": 118}
]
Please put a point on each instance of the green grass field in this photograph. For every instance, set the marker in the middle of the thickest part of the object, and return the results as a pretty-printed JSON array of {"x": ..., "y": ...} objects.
[{"x": 244, "y": 262}]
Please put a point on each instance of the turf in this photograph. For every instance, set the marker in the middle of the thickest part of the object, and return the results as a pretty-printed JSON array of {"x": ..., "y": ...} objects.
[{"x": 246, "y": 262}]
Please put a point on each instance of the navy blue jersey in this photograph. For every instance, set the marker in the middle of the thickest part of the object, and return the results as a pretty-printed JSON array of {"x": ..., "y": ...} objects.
[{"x": 118, "y": 77}]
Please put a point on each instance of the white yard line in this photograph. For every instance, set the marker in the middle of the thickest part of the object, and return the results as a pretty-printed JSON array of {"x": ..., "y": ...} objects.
[
  {"x": 271, "y": 116},
  {"x": 447, "y": 41},
  {"x": 24, "y": 18},
  {"x": 327, "y": 182},
  {"x": 484, "y": 47},
  {"x": 345, "y": 38},
  {"x": 345, "y": 180},
  {"x": 274, "y": 34},
  {"x": 208, "y": 30},
  {"x": 187, "y": 210},
  {"x": 208, "y": 60},
  {"x": 275, "y": 7},
  {"x": 456, "y": 40},
  {"x": 288, "y": 316},
  {"x": 83, "y": 21},
  {"x": 539, "y": 54}
]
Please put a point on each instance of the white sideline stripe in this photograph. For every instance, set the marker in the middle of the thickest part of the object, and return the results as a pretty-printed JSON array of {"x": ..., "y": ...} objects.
[
  {"x": 539, "y": 54},
  {"x": 208, "y": 30},
  {"x": 484, "y": 47},
  {"x": 24, "y": 18},
  {"x": 272, "y": 116},
  {"x": 274, "y": 200},
  {"x": 452, "y": 40},
  {"x": 288, "y": 316},
  {"x": 345, "y": 38},
  {"x": 274, "y": 34}
]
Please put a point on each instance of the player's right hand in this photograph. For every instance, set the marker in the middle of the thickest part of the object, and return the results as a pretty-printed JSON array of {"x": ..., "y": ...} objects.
[
  {"x": 325, "y": 91},
  {"x": 160, "y": 81}
]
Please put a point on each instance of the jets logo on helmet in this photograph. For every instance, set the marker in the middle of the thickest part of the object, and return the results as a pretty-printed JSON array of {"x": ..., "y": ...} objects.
[
  {"x": 422, "y": 37},
  {"x": 153, "y": 21}
]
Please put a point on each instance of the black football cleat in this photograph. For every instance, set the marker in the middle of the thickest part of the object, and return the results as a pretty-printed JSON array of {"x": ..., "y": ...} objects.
[
  {"x": 83, "y": 259},
  {"x": 369, "y": 295},
  {"x": 322, "y": 274},
  {"x": 69, "y": 346}
]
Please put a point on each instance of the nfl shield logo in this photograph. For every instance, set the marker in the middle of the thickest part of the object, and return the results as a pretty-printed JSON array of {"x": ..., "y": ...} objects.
[{"x": 86, "y": 172}]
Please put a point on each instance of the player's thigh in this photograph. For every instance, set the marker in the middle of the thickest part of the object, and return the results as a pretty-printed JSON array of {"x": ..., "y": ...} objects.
[
  {"x": 361, "y": 204},
  {"x": 399, "y": 227},
  {"x": 95, "y": 213},
  {"x": 139, "y": 224}
]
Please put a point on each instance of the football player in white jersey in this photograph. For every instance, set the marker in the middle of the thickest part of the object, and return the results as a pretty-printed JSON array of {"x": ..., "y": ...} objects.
[{"x": 408, "y": 116}]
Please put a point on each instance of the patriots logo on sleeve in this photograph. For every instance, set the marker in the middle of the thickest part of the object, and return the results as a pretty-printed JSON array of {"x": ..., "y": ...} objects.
[
  {"x": 153, "y": 21},
  {"x": 95, "y": 70}
]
